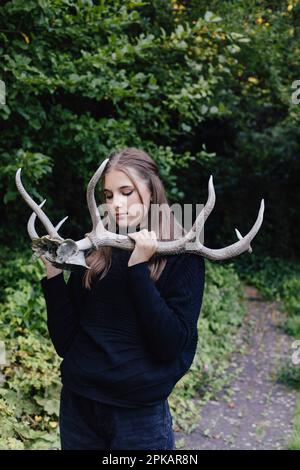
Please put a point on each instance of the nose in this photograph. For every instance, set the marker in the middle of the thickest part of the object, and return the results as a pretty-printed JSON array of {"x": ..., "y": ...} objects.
[{"x": 119, "y": 204}]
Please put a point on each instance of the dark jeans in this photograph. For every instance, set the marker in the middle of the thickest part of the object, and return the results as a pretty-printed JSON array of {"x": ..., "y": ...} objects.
[{"x": 89, "y": 425}]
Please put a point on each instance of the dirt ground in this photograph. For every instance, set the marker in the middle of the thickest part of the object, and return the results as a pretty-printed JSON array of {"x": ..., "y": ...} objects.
[{"x": 260, "y": 410}]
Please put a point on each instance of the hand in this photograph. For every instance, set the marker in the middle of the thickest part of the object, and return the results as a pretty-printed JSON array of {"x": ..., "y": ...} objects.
[
  {"x": 145, "y": 246},
  {"x": 45, "y": 261},
  {"x": 51, "y": 270}
]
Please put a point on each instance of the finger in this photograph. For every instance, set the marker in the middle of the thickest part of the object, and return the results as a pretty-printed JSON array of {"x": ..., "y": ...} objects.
[
  {"x": 151, "y": 234},
  {"x": 143, "y": 233},
  {"x": 132, "y": 235}
]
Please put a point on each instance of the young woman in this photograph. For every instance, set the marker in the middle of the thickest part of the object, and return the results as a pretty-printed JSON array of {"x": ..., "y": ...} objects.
[{"x": 126, "y": 328}]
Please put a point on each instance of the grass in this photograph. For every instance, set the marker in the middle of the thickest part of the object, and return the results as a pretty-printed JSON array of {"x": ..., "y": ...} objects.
[{"x": 294, "y": 441}]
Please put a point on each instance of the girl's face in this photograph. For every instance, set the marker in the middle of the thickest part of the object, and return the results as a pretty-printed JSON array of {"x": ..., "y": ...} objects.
[{"x": 122, "y": 198}]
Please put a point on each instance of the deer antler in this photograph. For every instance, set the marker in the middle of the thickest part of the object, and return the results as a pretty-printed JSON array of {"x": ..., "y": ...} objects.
[{"x": 67, "y": 253}]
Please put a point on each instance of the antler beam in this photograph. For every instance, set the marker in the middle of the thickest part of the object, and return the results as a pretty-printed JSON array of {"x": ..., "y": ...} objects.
[{"x": 67, "y": 253}]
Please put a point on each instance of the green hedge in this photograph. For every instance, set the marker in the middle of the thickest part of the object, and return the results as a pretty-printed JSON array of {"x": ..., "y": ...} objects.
[{"x": 204, "y": 90}]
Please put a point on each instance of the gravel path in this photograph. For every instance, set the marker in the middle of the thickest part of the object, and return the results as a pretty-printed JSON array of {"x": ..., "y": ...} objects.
[{"x": 259, "y": 413}]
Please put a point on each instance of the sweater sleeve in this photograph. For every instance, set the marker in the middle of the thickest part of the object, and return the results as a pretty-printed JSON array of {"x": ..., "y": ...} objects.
[
  {"x": 169, "y": 322},
  {"x": 63, "y": 303}
]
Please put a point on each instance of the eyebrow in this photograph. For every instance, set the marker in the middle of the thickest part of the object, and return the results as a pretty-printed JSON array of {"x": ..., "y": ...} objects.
[{"x": 121, "y": 187}]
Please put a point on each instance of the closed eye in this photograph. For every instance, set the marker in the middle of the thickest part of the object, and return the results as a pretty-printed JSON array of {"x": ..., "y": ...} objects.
[{"x": 124, "y": 194}]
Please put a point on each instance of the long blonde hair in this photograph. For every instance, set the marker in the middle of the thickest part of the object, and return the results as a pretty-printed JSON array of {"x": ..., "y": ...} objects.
[{"x": 166, "y": 227}]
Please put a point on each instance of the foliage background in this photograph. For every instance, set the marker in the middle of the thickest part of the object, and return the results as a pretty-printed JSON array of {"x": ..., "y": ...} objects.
[{"x": 205, "y": 89}]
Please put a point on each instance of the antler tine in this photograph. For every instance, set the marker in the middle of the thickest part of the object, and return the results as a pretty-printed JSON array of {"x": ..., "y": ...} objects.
[
  {"x": 210, "y": 204},
  {"x": 236, "y": 248},
  {"x": 99, "y": 232},
  {"x": 240, "y": 237},
  {"x": 57, "y": 227},
  {"x": 36, "y": 208},
  {"x": 180, "y": 246},
  {"x": 201, "y": 219},
  {"x": 31, "y": 224},
  {"x": 99, "y": 236},
  {"x": 98, "y": 227}
]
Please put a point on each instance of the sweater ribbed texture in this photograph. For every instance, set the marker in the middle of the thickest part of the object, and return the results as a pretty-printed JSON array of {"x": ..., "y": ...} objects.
[{"x": 129, "y": 340}]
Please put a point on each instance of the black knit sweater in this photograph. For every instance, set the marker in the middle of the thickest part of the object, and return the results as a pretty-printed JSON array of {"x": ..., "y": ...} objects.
[{"x": 129, "y": 340}]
